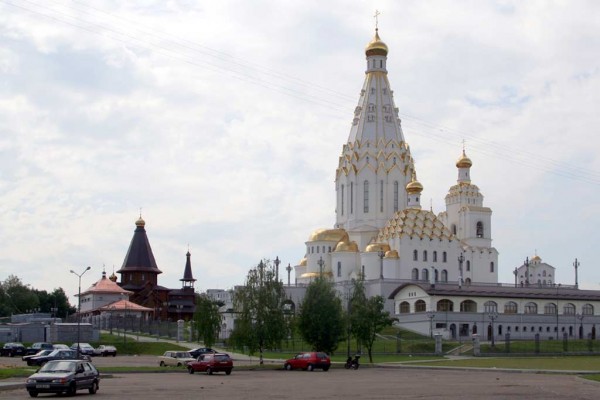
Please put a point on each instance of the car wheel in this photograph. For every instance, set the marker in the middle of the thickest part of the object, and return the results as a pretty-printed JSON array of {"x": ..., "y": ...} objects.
[
  {"x": 94, "y": 388},
  {"x": 325, "y": 368},
  {"x": 310, "y": 367},
  {"x": 114, "y": 354},
  {"x": 11, "y": 354},
  {"x": 228, "y": 372},
  {"x": 103, "y": 354},
  {"x": 162, "y": 363},
  {"x": 179, "y": 364},
  {"x": 209, "y": 371},
  {"x": 72, "y": 390},
  {"x": 33, "y": 394},
  {"x": 190, "y": 370},
  {"x": 288, "y": 367}
]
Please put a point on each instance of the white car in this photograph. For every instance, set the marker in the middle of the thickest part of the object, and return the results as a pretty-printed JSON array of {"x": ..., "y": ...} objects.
[
  {"x": 175, "y": 359},
  {"x": 105, "y": 350}
]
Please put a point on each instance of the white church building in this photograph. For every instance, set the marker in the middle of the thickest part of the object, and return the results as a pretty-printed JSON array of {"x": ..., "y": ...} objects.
[{"x": 437, "y": 271}]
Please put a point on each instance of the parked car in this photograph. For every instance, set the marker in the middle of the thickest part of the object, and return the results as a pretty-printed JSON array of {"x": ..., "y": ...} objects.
[
  {"x": 56, "y": 355},
  {"x": 64, "y": 376},
  {"x": 36, "y": 347},
  {"x": 308, "y": 361},
  {"x": 105, "y": 350},
  {"x": 84, "y": 348},
  {"x": 213, "y": 362},
  {"x": 13, "y": 349},
  {"x": 39, "y": 353},
  {"x": 175, "y": 358},
  {"x": 201, "y": 350},
  {"x": 61, "y": 347}
]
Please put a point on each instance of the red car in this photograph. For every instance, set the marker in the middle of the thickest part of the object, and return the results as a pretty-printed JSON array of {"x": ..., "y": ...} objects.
[
  {"x": 209, "y": 363},
  {"x": 308, "y": 361}
]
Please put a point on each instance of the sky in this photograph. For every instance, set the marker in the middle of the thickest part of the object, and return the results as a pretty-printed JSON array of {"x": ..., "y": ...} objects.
[{"x": 223, "y": 122}]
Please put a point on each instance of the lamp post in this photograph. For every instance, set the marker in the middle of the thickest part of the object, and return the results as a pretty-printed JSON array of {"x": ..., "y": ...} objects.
[
  {"x": 527, "y": 272},
  {"x": 381, "y": 254},
  {"x": 277, "y": 262},
  {"x": 461, "y": 259},
  {"x": 493, "y": 316},
  {"x": 431, "y": 316},
  {"x": 557, "y": 287},
  {"x": 320, "y": 263},
  {"x": 289, "y": 270},
  {"x": 79, "y": 307},
  {"x": 179, "y": 308},
  {"x": 576, "y": 265}
]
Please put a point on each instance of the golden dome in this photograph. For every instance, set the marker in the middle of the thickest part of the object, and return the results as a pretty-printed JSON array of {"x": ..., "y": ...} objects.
[
  {"x": 414, "y": 186},
  {"x": 376, "y": 47},
  {"x": 391, "y": 254},
  {"x": 464, "y": 161},
  {"x": 140, "y": 222},
  {"x": 303, "y": 262},
  {"x": 328, "y": 235},
  {"x": 536, "y": 258},
  {"x": 376, "y": 247},
  {"x": 347, "y": 246}
]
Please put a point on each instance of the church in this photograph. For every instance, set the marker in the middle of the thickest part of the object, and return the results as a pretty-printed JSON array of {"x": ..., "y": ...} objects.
[{"x": 437, "y": 272}]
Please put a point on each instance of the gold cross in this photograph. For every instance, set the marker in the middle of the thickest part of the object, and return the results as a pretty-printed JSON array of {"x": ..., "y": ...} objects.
[{"x": 377, "y": 13}]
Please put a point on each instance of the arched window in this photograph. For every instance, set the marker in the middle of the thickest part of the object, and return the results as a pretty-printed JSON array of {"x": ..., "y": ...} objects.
[
  {"x": 424, "y": 255},
  {"x": 366, "y": 197},
  {"x": 468, "y": 306},
  {"x": 425, "y": 274},
  {"x": 544, "y": 273},
  {"x": 404, "y": 307},
  {"x": 339, "y": 269},
  {"x": 444, "y": 275},
  {"x": 435, "y": 256},
  {"x": 479, "y": 229},
  {"x": 445, "y": 305},
  {"x": 550, "y": 309},
  {"x": 380, "y": 196},
  {"x": 351, "y": 197},
  {"x": 468, "y": 281},
  {"x": 415, "y": 274},
  {"x": 490, "y": 307},
  {"x": 510, "y": 308},
  {"x": 342, "y": 200},
  {"x": 420, "y": 306},
  {"x": 454, "y": 229},
  {"x": 468, "y": 265},
  {"x": 436, "y": 275},
  {"x": 530, "y": 308},
  {"x": 569, "y": 309},
  {"x": 415, "y": 255},
  {"x": 587, "y": 309},
  {"x": 444, "y": 257},
  {"x": 492, "y": 266},
  {"x": 395, "y": 196}
]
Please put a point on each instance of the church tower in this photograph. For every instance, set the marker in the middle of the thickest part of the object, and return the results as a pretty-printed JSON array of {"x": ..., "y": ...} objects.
[{"x": 375, "y": 165}]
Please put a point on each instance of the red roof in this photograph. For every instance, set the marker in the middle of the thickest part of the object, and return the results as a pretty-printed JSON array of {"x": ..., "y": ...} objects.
[
  {"x": 124, "y": 305},
  {"x": 105, "y": 285}
]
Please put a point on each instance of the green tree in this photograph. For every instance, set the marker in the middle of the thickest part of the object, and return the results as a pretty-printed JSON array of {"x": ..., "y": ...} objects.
[
  {"x": 17, "y": 298},
  {"x": 259, "y": 306},
  {"x": 320, "y": 320},
  {"x": 207, "y": 320},
  {"x": 367, "y": 317}
]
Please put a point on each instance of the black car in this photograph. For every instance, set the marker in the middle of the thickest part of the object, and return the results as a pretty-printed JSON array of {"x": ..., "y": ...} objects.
[
  {"x": 201, "y": 350},
  {"x": 13, "y": 349},
  {"x": 64, "y": 376},
  {"x": 56, "y": 355},
  {"x": 38, "y": 354},
  {"x": 36, "y": 347}
]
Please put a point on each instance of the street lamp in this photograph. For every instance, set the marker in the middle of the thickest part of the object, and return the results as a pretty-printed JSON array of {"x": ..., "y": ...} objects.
[
  {"x": 493, "y": 316},
  {"x": 381, "y": 254},
  {"x": 79, "y": 307},
  {"x": 431, "y": 316},
  {"x": 277, "y": 262},
  {"x": 321, "y": 263},
  {"x": 461, "y": 259},
  {"x": 289, "y": 269}
]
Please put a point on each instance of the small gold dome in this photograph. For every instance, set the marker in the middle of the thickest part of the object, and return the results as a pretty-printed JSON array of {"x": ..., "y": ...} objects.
[
  {"x": 376, "y": 247},
  {"x": 347, "y": 246},
  {"x": 303, "y": 262},
  {"x": 464, "y": 161},
  {"x": 391, "y": 254},
  {"x": 328, "y": 235},
  {"x": 376, "y": 47},
  {"x": 414, "y": 186},
  {"x": 536, "y": 258},
  {"x": 140, "y": 222}
]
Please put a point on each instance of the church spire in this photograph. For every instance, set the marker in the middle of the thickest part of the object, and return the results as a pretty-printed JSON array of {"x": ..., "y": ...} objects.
[
  {"x": 188, "y": 279},
  {"x": 464, "y": 164}
]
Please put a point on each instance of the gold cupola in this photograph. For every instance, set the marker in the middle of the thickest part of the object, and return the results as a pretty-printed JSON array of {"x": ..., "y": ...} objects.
[
  {"x": 414, "y": 186},
  {"x": 376, "y": 47},
  {"x": 464, "y": 161}
]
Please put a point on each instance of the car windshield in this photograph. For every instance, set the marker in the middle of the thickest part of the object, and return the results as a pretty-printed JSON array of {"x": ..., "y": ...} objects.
[{"x": 58, "y": 366}]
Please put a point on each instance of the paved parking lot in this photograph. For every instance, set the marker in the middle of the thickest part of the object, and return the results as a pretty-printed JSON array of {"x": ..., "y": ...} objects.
[{"x": 367, "y": 383}]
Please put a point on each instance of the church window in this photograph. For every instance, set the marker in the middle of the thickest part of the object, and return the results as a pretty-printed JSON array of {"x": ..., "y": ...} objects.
[
  {"x": 454, "y": 229},
  {"x": 468, "y": 265},
  {"x": 367, "y": 159},
  {"x": 490, "y": 306},
  {"x": 550, "y": 309},
  {"x": 373, "y": 89},
  {"x": 366, "y": 197},
  {"x": 380, "y": 63},
  {"x": 394, "y": 160},
  {"x": 569, "y": 309},
  {"x": 424, "y": 255},
  {"x": 544, "y": 273},
  {"x": 351, "y": 197},
  {"x": 468, "y": 306},
  {"x": 468, "y": 281},
  {"x": 436, "y": 275},
  {"x": 415, "y": 255},
  {"x": 445, "y": 305},
  {"x": 342, "y": 200},
  {"x": 339, "y": 269},
  {"x": 362, "y": 272},
  {"x": 444, "y": 275},
  {"x": 395, "y": 196},
  {"x": 492, "y": 266},
  {"x": 444, "y": 257},
  {"x": 404, "y": 307},
  {"x": 435, "y": 256},
  {"x": 384, "y": 90},
  {"x": 510, "y": 308},
  {"x": 380, "y": 196},
  {"x": 330, "y": 249},
  {"x": 415, "y": 274},
  {"x": 530, "y": 308},
  {"x": 587, "y": 309},
  {"x": 479, "y": 229},
  {"x": 317, "y": 249},
  {"x": 323, "y": 249},
  {"x": 420, "y": 306},
  {"x": 374, "y": 61},
  {"x": 425, "y": 274}
]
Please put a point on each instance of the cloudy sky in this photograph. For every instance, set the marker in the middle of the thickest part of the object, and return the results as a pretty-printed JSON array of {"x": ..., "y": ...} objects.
[{"x": 224, "y": 120}]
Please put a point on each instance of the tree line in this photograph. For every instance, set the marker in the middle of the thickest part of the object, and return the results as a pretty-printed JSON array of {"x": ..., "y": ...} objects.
[{"x": 19, "y": 298}]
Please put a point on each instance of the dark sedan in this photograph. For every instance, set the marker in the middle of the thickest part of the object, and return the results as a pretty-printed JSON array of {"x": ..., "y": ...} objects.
[
  {"x": 201, "y": 350},
  {"x": 36, "y": 347},
  {"x": 64, "y": 376},
  {"x": 13, "y": 349},
  {"x": 56, "y": 355}
]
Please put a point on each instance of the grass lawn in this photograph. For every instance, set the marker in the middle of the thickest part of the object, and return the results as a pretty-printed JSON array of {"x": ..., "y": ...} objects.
[
  {"x": 574, "y": 363},
  {"x": 132, "y": 346}
]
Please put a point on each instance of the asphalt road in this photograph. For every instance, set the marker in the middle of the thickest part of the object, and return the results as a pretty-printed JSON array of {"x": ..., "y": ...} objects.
[{"x": 367, "y": 383}]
